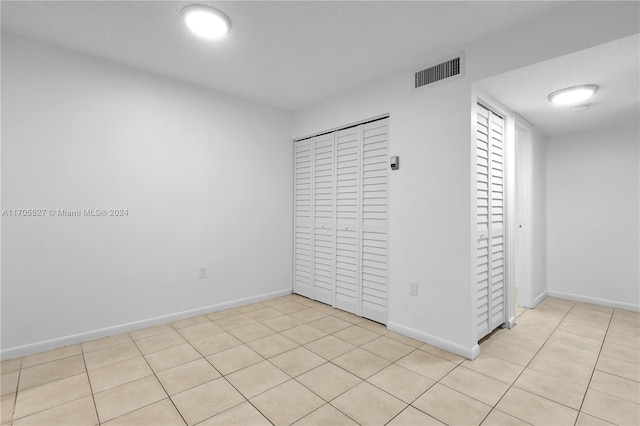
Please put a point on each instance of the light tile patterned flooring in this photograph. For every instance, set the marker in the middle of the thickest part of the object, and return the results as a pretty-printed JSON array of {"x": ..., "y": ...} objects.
[{"x": 292, "y": 360}]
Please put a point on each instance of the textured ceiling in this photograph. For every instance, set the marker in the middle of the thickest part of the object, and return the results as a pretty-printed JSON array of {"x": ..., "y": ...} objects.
[
  {"x": 615, "y": 67},
  {"x": 287, "y": 54}
]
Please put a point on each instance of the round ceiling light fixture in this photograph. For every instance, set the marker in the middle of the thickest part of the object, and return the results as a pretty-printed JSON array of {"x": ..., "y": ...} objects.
[
  {"x": 206, "y": 21},
  {"x": 573, "y": 95}
]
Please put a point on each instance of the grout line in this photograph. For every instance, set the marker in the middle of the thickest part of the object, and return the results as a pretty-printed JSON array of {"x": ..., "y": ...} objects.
[
  {"x": 93, "y": 398},
  {"x": 15, "y": 397}
]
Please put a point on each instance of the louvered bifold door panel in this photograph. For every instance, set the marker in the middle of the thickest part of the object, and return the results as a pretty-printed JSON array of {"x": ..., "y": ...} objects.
[
  {"x": 489, "y": 221},
  {"x": 497, "y": 278},
  {"x": 303, "y": 246},
  {"x": 348, "y": 155},
  {"x": 324, "y": 243},
  {"x": 375, "y": 211}
]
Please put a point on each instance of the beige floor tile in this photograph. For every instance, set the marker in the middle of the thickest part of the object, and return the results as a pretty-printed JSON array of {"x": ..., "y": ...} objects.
[
  {"x": 51, "y": 371},
  {"x": 552, "y": 308},
  {"x": 585, "y": 419},
  {"x": 441, "y": 353},
  {"x": 251, "y": 307},
  {"x": 234, "y": 359},
  {"x": 552, "y": 387},
  {"x": 430, "y": 366},
  {"x": 287, "y": 403},
  {"x": 619, "y": 367},
  {"x": 404, "y": 339},
  {"x": 186, "y": 376},
  {"x": 272, "y": 345},
  {"x": 625, "y": 313},
  {"x": 559, "y": 301},
  {"x": 6, "y": 408},
  {"x": 119, "y": 373},
  {"x": 389, "y": 349},
  {"x": 495, "y": 367},
  {"x": 589, "y": 313},
  {"x": 615, "y": 385},
  {"x": 330, "y": 324},
  {"x": 376, "y": 327},
  {"x": 200, "y": 331},
  {"x": 161, "y": 413},
  {"x": 411, "y": 416},
  {"x": 125, "y": 398},
  {"x": 297, "y": 361},
  {"x": 249, "y": 333},
  {"x": 538, "y": 330},
  {"x": 593, "y": 307},
  {"x": 229, "y": 323},
  {"x": 356, "y": 335},
  {"x": 159, "y": 342},
  {"x": 188, "y": 322},
  {"x": 576, "y": 341},
  {"x": 172, "y": 357},
  {"x": 308, "y": 315},
  {"x": 508, "y": 352},
  {"x": 620, "y": 352},
  {"x": 402, "y": 383},
  {"x": 289, "y": 307},
  {"x": 582, "y": 330},
  {"x": 105, "y": 342},
  {"x": 78, "y": 412},
  {"x": 327, "y": 415},
  {"x": 264, "y": 314},
  {"x": 619, "y": 338},
  {"x": 10, "y": 365},
  {"x": 515, "y": 337},
  {"x": 43, "y": 397},
  {"x": 303, "y": 334},
  {"x": 328, "y": 381},
  {"x": 207, "y": 400},
  {"x": 42, "y": 357},
  {"x": 282, "y": 323},
  {"x": 368, "y": 405},
  {"x": 599, "y": 323},
  {"x": 257, "y": 378},
  {"x": 151, "y": 331},
  {"x": 214, "y": 316},
  {"x": 561, "y": 368},
  {"x": 111, "y": 355},
  {"x": 362, "y": 363},
  {"x": 243, "y": 414},
  {"x": 498, "y": 418},
  {"x": 214, "y": 344},
  {"x": 476, "y": 385},
  {"x": 330, "y": 347},
  {"x": 610, "y": 408},
  {"x": 275, "y": 300},
  {"x": 9, "y": 382},
  {"x": 347, "y": 316},
  {"x": 451, "y": 407},
  {"x": 535, "y": 409},
  {"x": 565, "y": 352}
]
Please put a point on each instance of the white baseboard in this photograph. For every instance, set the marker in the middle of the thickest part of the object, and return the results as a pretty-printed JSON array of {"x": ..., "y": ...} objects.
[
  {"x": 59, "y": 342},
  {"x": 595, "y": 301},
  {"x": 470, "y": 353},
  {"x": 539, "y": 299}
]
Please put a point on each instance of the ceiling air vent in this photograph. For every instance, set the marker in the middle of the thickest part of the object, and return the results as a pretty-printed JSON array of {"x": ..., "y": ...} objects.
[{"x": 447, "y": 70}]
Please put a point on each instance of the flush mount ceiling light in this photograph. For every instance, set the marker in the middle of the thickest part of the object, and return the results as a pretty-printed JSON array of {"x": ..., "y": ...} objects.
[
  {"x": 206, "y": 21},
  {"x": 573, "y": 95}
]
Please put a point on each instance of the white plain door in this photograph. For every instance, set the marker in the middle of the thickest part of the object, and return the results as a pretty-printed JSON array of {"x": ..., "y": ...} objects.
[{"x": 490, "y": 221}]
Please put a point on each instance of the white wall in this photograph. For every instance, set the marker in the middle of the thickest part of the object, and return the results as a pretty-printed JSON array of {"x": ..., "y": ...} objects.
[
  {"x": 539, "y": 285},
  {"x": 593, "y": 216},
  {"x": 206, "y": 179},
  {"x": 430, "y": 196}
]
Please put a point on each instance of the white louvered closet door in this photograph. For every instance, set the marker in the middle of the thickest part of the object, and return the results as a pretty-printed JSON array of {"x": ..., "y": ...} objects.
[
  {"x": 347, "y": 282},
  {"x": 303, "y": 249},
  {"x": 490, "y": 221},
  {"x": 375, "y": 211},
  {"x": 324, "y": 245}
]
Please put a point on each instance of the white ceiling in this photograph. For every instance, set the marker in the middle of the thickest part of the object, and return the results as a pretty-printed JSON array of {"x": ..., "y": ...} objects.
[
  {"x": 288, "y": 54},
  {"x": 614, "y": 66}
]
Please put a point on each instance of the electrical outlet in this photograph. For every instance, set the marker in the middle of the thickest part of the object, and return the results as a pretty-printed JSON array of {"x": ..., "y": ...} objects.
[
  {"x": 203, "y": 272},
  {"x": 413, "y": 288}
]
